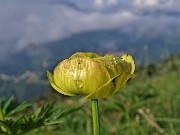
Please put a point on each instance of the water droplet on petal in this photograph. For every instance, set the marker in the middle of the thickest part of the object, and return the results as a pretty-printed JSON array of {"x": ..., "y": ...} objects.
[{"x": 79, "y": 83}]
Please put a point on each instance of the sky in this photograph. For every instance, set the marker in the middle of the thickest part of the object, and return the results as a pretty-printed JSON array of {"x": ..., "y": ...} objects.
[{"x": 36, "y": 21}]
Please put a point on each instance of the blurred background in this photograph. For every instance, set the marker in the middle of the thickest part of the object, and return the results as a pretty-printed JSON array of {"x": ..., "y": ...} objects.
[{"x": 36, "y": 35}]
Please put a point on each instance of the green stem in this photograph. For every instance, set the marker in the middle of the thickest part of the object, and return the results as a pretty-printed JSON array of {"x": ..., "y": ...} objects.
[{"x": 95, "y": 115}]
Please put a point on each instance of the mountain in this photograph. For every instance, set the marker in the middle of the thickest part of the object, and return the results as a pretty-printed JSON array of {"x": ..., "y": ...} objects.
[
  {"x": 147, "y": 48},
  {"x": 23, "y": 73},
  {"x": 29, "y": 85}
]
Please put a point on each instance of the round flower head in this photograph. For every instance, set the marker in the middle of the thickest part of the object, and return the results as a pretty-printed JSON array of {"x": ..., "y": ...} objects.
[{"x": 92, "y": 75}]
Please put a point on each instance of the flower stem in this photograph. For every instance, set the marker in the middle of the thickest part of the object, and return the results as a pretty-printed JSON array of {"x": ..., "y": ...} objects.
[{"x": 95, "y": 115}]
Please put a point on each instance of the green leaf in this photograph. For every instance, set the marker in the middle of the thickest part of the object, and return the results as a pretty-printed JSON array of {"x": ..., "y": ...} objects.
[
  {"x": 7, "y": 127},
  {"x": 45, "y": 116},
  {"x": 7, "y": 104},
  {"x": 59, "y": 113},
  {"x": 19, "y": 108}
]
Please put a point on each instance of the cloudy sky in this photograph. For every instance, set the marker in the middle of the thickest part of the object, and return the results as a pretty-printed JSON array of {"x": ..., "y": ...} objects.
[{"x": 26, "y": 21}]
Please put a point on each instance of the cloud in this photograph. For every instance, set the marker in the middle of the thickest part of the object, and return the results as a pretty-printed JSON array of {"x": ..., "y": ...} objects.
[
  {"x": 145, "y": 3},
  {"x": 104, "y": 3},
  {"x": 39, "y": 21},
  {"x": 98, "y": 3},
  {"x": 157, "y": 4}
]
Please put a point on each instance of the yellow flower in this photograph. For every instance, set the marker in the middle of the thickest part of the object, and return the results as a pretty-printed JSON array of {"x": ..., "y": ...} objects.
[{"x": 93, "y": 75}]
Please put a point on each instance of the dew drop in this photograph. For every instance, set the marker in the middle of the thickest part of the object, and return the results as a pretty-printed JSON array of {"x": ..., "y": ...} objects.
[
  {"x": 109, "y": 66},
  {"x": 79, "y": 83}
]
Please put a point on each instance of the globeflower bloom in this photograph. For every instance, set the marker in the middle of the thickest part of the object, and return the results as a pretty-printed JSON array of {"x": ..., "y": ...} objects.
[{"x": 92, "y": 75}]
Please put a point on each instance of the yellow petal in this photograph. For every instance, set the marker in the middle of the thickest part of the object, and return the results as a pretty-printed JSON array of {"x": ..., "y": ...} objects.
[
  {"x": 91, "y": 74},
  {"x": 121, "y": 81},
  {"x": 129, "y": 59},
  {"x": 114, "y": 65},
  {"x": 80, "y": 75},
  {"x": 85, "y": 54},
  {"x": 53, "y": 84},
  {"x": 111, "y": 87}
]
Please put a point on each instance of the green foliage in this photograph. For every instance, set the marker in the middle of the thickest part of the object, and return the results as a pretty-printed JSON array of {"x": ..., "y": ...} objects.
[
  {"x": 15, "y": 109},
  {"x": 46, "y": 115},
  {"x": 148, "y": 105}
]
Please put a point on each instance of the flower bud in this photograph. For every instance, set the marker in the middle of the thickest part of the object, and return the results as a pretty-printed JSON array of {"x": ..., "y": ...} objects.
[{"x": 93, "y": 75}]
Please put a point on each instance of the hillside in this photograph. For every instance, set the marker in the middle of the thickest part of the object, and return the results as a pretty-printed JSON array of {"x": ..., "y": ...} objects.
[
  {"x": 147, "y": 105},
  {"x": 31, "y": 84},
  {"x": 147, "y": 48}
]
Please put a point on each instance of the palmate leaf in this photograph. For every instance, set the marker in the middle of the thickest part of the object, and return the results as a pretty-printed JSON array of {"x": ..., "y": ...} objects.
[{"x": 47, "y": 115}]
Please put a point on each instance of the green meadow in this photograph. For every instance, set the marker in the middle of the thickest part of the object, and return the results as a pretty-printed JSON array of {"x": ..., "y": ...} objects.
[{"x": 148, "y": 105}]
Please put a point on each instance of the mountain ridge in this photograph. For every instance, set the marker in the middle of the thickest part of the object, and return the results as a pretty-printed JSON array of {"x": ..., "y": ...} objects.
[{"x": 148, "y": 48}]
